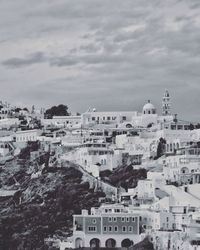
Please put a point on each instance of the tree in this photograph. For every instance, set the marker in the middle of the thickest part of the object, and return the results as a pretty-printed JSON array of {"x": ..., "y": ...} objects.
[
  {"x": 60, "y": 110},
  {"x": 161, "y": 147},
  {"x": 198, "y": 126},
  {"x": 150, "y": 125},
  {"x": 24, "y": 122},
  {"x": 17, "y": 110},
  {"x": 191, "y": 126}
]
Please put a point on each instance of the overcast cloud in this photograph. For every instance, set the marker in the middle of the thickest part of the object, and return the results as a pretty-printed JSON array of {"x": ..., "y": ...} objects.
[{"x": 108, "y": 54}]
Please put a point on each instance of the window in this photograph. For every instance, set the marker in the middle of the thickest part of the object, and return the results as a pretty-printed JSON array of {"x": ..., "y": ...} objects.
[
  {"x": 123, "y": 219},
  {"x": 92, "y": 229},
  {"x": 108, "y": 118},
  {"x": 110, "y": 219},
  {"x": 127, "y": 219},
  {"x": 116, "y": 228},
  {"x": 124, "y": 229},
  {"x": 94, "y": 221},
  {"x": 105, "y": 229},
  {"x": 124, "y": 118},
  {"x": 110, "y": 228},
  {"x": 117, "y": 210},
  {"x": 93, "y": 118},
  {"x": 133, "y": 219},
  {"x": 130, "y": 229},
  {"x": 114, "y": 219}
]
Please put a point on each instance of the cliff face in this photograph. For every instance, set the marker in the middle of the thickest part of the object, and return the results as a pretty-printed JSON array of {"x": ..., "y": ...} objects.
[{"x": 42, "y": 207}]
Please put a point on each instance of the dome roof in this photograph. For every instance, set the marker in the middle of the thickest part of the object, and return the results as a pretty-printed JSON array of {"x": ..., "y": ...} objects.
[{"x": 149, "y": 106}]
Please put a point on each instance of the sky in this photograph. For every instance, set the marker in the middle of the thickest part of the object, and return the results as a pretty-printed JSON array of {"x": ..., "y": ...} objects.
[{"x": 107, "y": 54}]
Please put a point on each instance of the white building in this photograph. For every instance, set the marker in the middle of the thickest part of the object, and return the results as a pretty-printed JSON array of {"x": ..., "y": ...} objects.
[
  {"x": 148, "y": 117},
  {"x": 9, "y": 122},
  {"x": 138, "y": 145},
  {"x": 63, "y": 121},
  {"x": 26, "y": 135},
  {"x": 183, "y": 167},
  {"x": 95, "y": 157}
]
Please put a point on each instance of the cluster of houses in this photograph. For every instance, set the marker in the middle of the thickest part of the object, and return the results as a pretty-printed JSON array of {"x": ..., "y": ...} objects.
[{"x": 165, "y": 207}]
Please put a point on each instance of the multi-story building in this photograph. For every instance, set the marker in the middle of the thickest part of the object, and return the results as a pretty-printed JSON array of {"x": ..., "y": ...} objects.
[
  {"x": 108, "y": 226},
  {"x": 95, "y": 157},
  {"x": 183, "y": 167}
]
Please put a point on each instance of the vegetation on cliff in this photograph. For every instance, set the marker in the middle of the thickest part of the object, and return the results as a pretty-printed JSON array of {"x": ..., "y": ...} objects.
[
  {"x": 43, "y": 207},
  {"x": 124, "y": 176}
]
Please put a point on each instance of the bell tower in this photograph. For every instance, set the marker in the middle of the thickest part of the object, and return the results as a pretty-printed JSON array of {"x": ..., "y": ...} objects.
[{"x": 166, "y": 104}]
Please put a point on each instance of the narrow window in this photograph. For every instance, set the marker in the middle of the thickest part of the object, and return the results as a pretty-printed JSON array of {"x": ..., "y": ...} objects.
[
  {"x": 130, "y": 229},
  {"x": 123, "y": 219}
]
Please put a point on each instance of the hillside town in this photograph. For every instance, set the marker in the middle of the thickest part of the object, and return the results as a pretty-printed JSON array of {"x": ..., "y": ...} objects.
[{"x": 143, "y": 166}]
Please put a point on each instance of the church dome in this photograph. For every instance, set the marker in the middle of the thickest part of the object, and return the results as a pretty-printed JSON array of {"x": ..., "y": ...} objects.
[{"x": 149, "y": 108}]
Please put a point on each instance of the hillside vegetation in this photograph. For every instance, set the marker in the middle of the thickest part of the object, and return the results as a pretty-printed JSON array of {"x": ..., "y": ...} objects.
[{"x": 124, "y": 176}]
